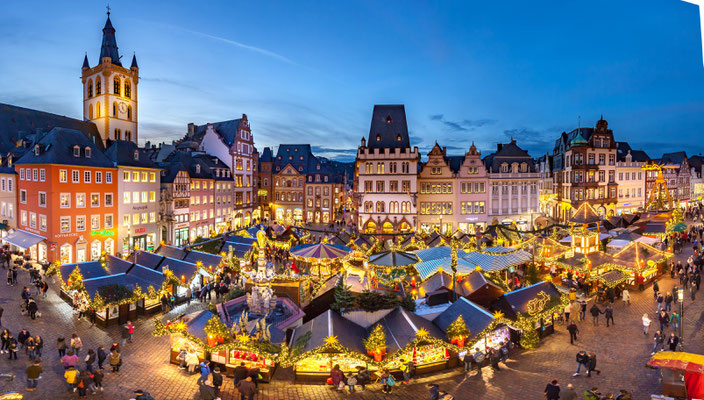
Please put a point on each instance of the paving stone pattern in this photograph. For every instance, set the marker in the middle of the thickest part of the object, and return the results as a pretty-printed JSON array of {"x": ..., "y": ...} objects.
[{"x": 622, "y": 352}]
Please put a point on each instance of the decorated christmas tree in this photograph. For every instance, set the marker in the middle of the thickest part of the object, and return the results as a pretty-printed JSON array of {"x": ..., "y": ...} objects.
[
  {"x": 376, "y": 343},
  {"x": 75, "y": 280},
  {"x": 457, "y": 332},
  {"x": 216, "y": 330},
  {"x": 343, "y": 297}
]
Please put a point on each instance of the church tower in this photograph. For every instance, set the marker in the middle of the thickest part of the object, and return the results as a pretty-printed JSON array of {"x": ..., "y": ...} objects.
[{"x": 110, "y": 91}]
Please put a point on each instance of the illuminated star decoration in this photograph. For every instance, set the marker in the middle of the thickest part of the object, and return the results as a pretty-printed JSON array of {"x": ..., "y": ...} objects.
[
  {"x": 331, "y": 340},
  {"x": 699, "y": 3}
]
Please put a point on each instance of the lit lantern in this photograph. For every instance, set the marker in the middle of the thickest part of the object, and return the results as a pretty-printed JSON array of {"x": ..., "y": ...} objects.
[
  {"x": 210, "y": 268},
  {"x": 183, "y": 278}
]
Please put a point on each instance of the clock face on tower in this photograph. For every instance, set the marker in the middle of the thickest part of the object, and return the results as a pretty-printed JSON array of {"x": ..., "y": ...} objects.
[{"x": 123, "y": 107}]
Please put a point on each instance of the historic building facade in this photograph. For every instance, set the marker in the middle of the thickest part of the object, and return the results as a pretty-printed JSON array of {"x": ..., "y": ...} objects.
[
  {"x": 630, "y": 179},
  {"x": 386, "y": 170},
  {"x": 513, "y": 181},
  {"x": 110, "y": 91},
  {"x": 472, "y": 193},
  {"x": 437, "y": 208},
  {"x": 584, "y": 169}
]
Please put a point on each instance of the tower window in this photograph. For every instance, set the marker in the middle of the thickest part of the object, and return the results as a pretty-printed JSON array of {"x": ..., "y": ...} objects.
[
  {"x": 90, "y": 88},
  {"x": 98, "y": 89},
  {"x": 90, "y": 111},
  {"x": 128, "y": 92},
  {"x": 114, "y": 109},
  {"x": 129, "y": 112},
  {"x": 116, "y": 86},
  {"x": 97, "y": 110},
  {"x": 128, "y": 135}
]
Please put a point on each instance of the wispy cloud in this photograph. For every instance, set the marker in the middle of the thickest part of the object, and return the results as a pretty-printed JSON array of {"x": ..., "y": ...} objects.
[{"x": 463, "y": 125}]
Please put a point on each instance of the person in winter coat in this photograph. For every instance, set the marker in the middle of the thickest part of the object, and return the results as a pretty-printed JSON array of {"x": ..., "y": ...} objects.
[
  {"x": 61, "y": 345},
  {"x": 595, "y": 311},
  {"x": 125, "y": 334},
  {"x": 192, "y": 360},
  {"x": 240, "y": 373},
  {"x": 658, "y": 340},
  {"x": 182, "y": 358},
  {"x": 71, "y": 376},
  {"x": 338, "y": 378},
  {"x": 582, "y": 361},
  {"x": 582, "y": 310},
  {"x": 573, "y": 330},
  {"x": 33, "y": 372},
  {"x": 12, "y": 347},
  {"x": 626, "y": 297},
  {"x": 247, "y": 389},
  {"x": 90, "y": 359},
  {"x": 69, "y": 360},
  {"x": 351, "y": 381},
  {"x": 592, "y": 365},
  {"x": 406, "y": 370},
  {"x": 204, "y": 372},
  {"x": 433, "y": 391},
  {"x": 609, "y": 314},
  {"x": 4, "y": 336},
  {"x": 384, "y": 379},
  {"x": 32, "y": 308},
  {"x": 38, "y": 345},
  {"x": 660, "y": 300},
  {"x": 668, "y": 302},
  {"x": 130, "y": 331},
  {"x": 101, "y": 355},
  {"x": 664, "y": 320},
  {"x": 592, "y": 394},
  {"x": 217, "y": 381},
  {"x": 552, "y": 390},
  {"x": 115, "y": 361},
  {"x": 568, "y": 393},
  {"x": 646, "y": 323},
  {"x": 83, "y": 382},
  {"x": 98, "y": 379},
  {"x": 22, "y": 337},
  {"x": 673, "y": 341},
  {"x": 76, "y": 343},
  {"x": 363, "y": 377},
  {"x": 207, "y": 391}
]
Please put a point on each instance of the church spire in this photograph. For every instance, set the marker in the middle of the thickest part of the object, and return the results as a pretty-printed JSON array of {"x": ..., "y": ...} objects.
[
  {"x": 109, "y": 46},
  {"x": 85, "y": 62},
  {"x": 134, "y": 61}
]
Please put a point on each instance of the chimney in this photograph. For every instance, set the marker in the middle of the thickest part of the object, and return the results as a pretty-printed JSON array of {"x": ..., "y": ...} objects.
[
  {"x": 191, "y": 129},
  {"x": 499, "y": 146}
]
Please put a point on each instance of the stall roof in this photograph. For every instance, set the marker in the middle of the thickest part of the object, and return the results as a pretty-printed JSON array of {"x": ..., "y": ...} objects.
[
  {"x": 518, "y": 300},
  {"x": 240, "y": 239},
  {"x": 93, "y": 269},
  {"x": 428, "y": 268},
  {"x": 178, "y": 267},
  {"x": 585, "y": 214},
  {"x": 401, "y": 326},
  {"x": 497, "y": 260},
  {"x": 475, "y": 316},
  {"x": 436, "y": 282},
  {"x": 654, "y": 228},
  {"x": 171, "y": 251},
  {"x": 330, "y": 323},
  {"x": 23, "y": 239},
  {"x": 93, "y": 284},
  {"x": 393, "y": 259},
  {"x": 239, "y": 248},
  {"x": 206, "y": 258},
  {"x": 147, "y": 275},
  {"x": 433, "y": 253},
  {"x": 145, "y": 258},
  {"x": 196, "y": 325}
]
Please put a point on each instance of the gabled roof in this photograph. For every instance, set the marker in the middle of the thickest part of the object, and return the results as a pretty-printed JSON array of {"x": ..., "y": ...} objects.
[
  {"x": 674, "y": 158},
  {"x": 227, "y": 130},
  {"x": 475, "y": 317},
  {"x": 266, "y": 155},
  {"x": 585, "y": 214},
  {"x": 455, "y": 162},
  {"x": 518, "y": 300},
  {"x": 508, "y": 153},
  {"x": 330, "y": 323},
  {"x": 121, "y": 152},
  {"x": 401, "y": 326},
  {"x": 298, "y": 155},
  {"x": 57, "y": 147},
  {"x": 389, "y": 126},
  {"x": 18, "y": 122}
]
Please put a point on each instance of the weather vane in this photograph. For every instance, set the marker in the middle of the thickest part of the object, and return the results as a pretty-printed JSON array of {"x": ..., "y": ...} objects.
[
  {"x": 108, "y": 8},
  {"x": 699, "y": 3}
]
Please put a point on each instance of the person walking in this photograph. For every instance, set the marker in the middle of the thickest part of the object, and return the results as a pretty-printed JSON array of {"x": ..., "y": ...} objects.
[
  {"x": 573, "y": 330},
  {"x": 125, "y": 334},
  {"x": 101, "y": 355},
  {"x": 5, "y": 338},
  {"x": 98, "y": 379},
  {"x": 217, "y": 381},
  {"x": 467, "y": 360},
  {"x": 247, "y": 389},
  {"x": 552, "y": 390},
  {"x": 71, "y": 376},
  {"x": 38, "y": 346},
  {"x": 240, "y": 373},
  {"x": 204, "y": 371},
  {"x": 626, "y": 297},
  {"x": 595, "y": 311},
  {"x": 90, "y": 359},
  {"x": 673, "y": 341},
  {"x": 61, "y": 345},
  {"x": 582, "y": 310},
  {"x": 609, "y": 314},
  {"x": 592, "y": 365},
  {"x": 668, "y": 302},
  {"x": 115, "y": 360},
  {"x": 646, "y": 323},
  {"x": 76, "y": 343},
  {"x": 658, "y": 340},
  {"x": 675, "y": 321},
  {"x": 656, "y": 289},
  {"x": 582, "y": 361},
  {"x": 660, "y": 301},
  {"x": 33, "y": 373},
  {"x": 567, "y": 311},
  {"x": 130, "y": 331},
  {"x": 664, "y": 320},
  {"x": 12, "y": 350},
  {"x": 207, "y": 391}
]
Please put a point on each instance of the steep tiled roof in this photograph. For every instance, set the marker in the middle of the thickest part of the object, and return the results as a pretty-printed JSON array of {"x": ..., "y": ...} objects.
[
  {"x": 266, "y": 155},
  {"x": 508, "y": 153},
  {"x": 121, "y": 152},
  {"x": 57, "y": 147},
  {"x": 109, "y": 45},
  {"x": 389, "y": 127},
  {"x": 674, "y": 158},
  {"x": 18, "y": 122},
  {"x": 227, "y": 130},
  {"x": 298, "y": 155}
]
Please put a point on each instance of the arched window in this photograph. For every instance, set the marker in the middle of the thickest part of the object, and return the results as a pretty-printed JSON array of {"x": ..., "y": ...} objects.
[
  {"x": 90, "y": 111},
  {"x": 380, "y": 168},
  {"x": 117, "y": 134},
  {"x": 116, "y": 86},
  {"x": 128, "y": 91},
  {"x": 114, "y": 109},
  {"x": 97, "y": 110},
  {"x": 90, "y": 88},
  {"x": 98, "y": 89},
  {"x": 368, "y": 206},
  {"x": 380, "y": 206},
  {"x": 128, "y": 135},
  {"x": 129, "y": 113}
]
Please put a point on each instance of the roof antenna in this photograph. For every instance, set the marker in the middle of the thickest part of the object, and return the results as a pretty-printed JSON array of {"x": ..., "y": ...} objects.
[
  {"x": 108, "y": 7},
  {"x": 579, "y": 123}
]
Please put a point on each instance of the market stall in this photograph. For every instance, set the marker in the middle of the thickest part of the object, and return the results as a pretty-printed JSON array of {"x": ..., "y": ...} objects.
[
  {"x": 682, "y": 374},
  {"x": 472, "y": 328},
  {"x": 320, "y": 257},
  {"x": 326, "y": 341},
  {"x": 644, "y": 262}
]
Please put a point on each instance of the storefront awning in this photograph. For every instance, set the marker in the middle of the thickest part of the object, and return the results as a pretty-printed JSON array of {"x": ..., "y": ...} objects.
[{"x": 23, "y": 239}]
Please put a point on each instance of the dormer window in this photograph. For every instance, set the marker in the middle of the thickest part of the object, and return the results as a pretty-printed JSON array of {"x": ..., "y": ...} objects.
[
  {"x": 300, "y": 168},
  {"x": 317, "y": 167},
  {"x": 87, "y": 152},
  {"x": 300, "y": 158},
  {"x": 296, "y": 149},
  {"x": 388, "y": 119},
  {"x": 197, "y": 168},
  {"x": 136, "y": 155},
  {"x": 378, "y": 138},
  {"x": 398, "y": 137},
  {"x": 76, "y": 151},
  {"x": 36, "y": 149}
]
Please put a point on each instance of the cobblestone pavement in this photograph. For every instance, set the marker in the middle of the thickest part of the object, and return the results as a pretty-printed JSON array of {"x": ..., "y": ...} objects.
[{"x": 622, "y": 351}]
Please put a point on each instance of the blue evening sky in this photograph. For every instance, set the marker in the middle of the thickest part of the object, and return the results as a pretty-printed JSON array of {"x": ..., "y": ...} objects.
[{"x": 310, "y": 72}]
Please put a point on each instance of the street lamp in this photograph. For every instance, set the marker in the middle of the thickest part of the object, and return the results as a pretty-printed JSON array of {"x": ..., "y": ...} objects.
[{"x": 680, "y": 297}]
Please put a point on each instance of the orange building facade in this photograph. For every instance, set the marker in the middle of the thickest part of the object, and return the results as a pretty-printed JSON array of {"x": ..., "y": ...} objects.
[{"x": 73, "y": 207}]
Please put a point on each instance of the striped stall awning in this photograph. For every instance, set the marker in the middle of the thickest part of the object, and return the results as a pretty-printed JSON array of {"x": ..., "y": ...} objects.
[
  {"x": 497, "y": 261},
  {"x": 427, "y": 268},
  {"x": 320, "y": 251}
]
